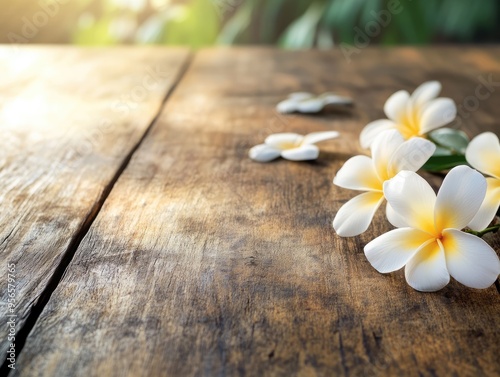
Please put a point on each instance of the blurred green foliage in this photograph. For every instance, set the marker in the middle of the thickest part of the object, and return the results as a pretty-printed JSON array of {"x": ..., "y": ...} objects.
[
  {"x": 194, "y": 23},
  {"x": 287, "y": 23}
]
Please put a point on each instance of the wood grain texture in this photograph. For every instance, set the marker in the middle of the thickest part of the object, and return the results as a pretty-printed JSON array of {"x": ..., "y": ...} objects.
[
  {"x": 68, "y": 118},
  {"x": 204, "y": 263}
]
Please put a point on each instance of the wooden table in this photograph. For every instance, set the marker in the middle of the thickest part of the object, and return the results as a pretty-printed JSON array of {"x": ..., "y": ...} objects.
[{"x": 146, "y": 243}]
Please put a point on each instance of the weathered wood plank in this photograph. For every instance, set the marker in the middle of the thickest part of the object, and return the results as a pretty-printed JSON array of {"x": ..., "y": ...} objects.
[
  {"x": 204, "y": 263},
  {"x": 69, "y": 118}
]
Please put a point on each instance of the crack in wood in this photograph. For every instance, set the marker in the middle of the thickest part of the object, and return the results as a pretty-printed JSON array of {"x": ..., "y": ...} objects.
[{"x": 43, "y": 299}]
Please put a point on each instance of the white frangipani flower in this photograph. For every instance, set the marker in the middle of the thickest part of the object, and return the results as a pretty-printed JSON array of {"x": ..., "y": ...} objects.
[
  {"x": 390, "y": 154},
  {"x": 303, "y": 102},
  {"x": 432, "y": 245},
  {"x": 483, "y": 154},
  {"x": 412, "y": 115},
  {"x": 290, "y": 146}
]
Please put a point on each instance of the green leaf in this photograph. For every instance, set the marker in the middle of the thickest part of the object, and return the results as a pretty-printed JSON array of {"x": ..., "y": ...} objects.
[
  {"x": 95, "y": 34},
  {"x": 441, "y": 163},
  {"x": 324, "y": 39},
  {"x": 199, "y": 26},
  {"x": 454, "y": 140},
  {"x": 270, "y": 19},
  {"x": 152, "y": 30},
  {"x": 440, "y": 151},
  {"x": 341, "y": 16},
  {"x": 301, "y": 33},
  {"x": 237, "y": 24}
]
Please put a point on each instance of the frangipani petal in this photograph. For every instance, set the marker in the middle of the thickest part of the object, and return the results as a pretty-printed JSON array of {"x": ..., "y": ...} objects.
[
  {"x": 392, "y": 250},
  {"x": 413, "y": 199},
  {"x": 459, "y": 198},
  {"x": 358, "y": 173},
  {"x": 287, "y": 106},
  {"x": 411, "y": 155},
  {"x": 394, "y": 218},
  {"x": 308, "y": 103},
  {"x": 312, "y": 105},
  {"x": 426, "y": 271},
  {"x": 383, "y": 147},
  {"x": 284, "y": 140},
  {"x": 290, "y": 104},
  {"x": 316, "y": 137},
  {"x": 489, "y": 207},
  {"x": 355, "y": 216},
  {"x": 425, "y": 93},
  {"x": 290, "y": 146},
  {"x": 302, "y": 153},
  {"x": 470, "y": 260},
  {"x": 334, "y": 99},
  {"x": 264, "y": 153},
  {"x": 483, "y": 153},
  {"x": 373, "y": 129},
  {"x": 436, "y": 114},
  {"x": 396, "y": 104}
]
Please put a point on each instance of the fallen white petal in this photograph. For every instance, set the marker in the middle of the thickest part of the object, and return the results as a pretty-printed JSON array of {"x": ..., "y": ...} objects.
[
  {"x": 358, "y": 173},
  {"x": 287, "y": 106},
  {"x": 436, "y": 114},
  {"x": 290, "y": 104},
  {"x": 426, "y": 271},
  {"x": 302, "y": 153},
  {"x": 308, "y": 103},
  {"x": 334, "y": 99},
  {"x": 411, "y": 155},
  {"x": 489, "y": 207},
  {"x": 459, "y": 198},
  {"x": 470, "y": 260},
  {"x": 264, "y": 153},
  {"x": 316, "y": 137},
  {"x": 394, "y": 218},
  {"x": 312, "y": 105},
  {"x": 355, "y": 216},
  {"x": 284, "y": 140},
  {"x": 373, "y": 129},
  {"x": 413, "y": 199},
  {"x": 483, "y": 153},
  {"x": 424, "y": 93},
  {"x": 391, "y": 251},
  {"x": 395, "y": 106},
  {"x": 383, "y": 147}
]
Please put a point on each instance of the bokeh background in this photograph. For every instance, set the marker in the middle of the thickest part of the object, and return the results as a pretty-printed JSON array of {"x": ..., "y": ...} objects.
[{"x": 285, "y": 23}]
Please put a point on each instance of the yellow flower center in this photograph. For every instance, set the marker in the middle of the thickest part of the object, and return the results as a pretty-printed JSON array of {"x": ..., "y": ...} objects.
[
  {"x": 288, "y": 145},
  {"x": 409, "y": 126}
]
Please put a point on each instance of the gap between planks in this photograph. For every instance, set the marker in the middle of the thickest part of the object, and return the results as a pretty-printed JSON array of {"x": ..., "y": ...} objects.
[{"x": 60, "y": 270}]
